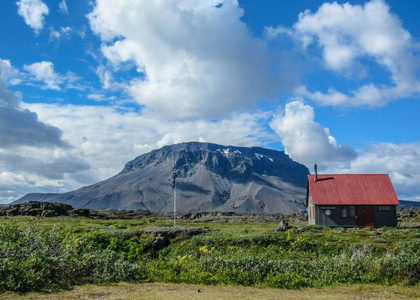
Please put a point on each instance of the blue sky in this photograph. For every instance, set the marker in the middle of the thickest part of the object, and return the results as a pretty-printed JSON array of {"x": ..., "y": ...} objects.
[{"x": 86, "y": 86}]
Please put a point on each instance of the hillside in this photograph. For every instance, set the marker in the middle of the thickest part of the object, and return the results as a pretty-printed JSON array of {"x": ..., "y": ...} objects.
[{"x": 209, "y": 177}]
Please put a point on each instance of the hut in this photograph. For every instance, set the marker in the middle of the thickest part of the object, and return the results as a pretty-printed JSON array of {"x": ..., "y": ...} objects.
[{"x": 351, "y": 200}]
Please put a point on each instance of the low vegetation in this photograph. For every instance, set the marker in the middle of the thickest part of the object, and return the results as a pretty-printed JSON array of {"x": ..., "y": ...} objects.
[{"x": 37, "y": 254}]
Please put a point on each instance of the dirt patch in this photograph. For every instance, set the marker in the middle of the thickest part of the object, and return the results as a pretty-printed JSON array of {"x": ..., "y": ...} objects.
[{"x": 184, "y": 291}]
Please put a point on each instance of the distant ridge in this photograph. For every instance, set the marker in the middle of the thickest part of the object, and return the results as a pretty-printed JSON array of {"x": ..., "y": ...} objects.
[
  {"x": 210, "y": 177},
  {"x": 408, "y": 204}
]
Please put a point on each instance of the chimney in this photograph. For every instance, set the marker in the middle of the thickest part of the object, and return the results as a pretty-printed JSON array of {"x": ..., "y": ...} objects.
[{"x": 316, "y": 172}]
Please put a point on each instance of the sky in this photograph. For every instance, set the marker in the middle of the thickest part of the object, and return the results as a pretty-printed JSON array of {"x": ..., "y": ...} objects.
[{"x": 88, "y": 85}]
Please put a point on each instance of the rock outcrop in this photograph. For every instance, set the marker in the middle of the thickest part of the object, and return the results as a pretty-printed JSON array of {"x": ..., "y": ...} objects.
[{"x": 36, "y": 208}]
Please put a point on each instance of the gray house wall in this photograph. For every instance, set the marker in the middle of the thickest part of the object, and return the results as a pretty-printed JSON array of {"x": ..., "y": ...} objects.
[
  {"x": 311, "y": 210},
  {"x": 385, "y": 218},
  {"x": 335, "y": 219}
]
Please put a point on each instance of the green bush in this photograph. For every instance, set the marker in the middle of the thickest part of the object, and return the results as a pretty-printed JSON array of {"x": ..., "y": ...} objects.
[
  {"x": 33, "y": 259},
  {"x": 133, "y": 243}
]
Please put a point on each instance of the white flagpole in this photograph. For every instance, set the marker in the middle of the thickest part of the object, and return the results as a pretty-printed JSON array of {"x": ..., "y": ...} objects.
[
  {"x": 174, "y": 187},
  {"x": 175, "y": 204}
]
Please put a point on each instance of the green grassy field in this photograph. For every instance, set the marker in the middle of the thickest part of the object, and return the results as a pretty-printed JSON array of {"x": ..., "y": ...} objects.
[{"x": 51, "y": 254}]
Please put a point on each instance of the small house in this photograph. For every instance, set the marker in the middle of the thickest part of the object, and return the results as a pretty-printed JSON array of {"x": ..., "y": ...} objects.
[{"x": 351, "y": 200}]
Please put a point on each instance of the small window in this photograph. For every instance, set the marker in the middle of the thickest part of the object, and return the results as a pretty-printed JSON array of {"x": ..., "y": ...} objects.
[
  {"x": 384, "y": 208},
  {"x": 351, "y": 212},
  {"x": 344, "y": 213}
]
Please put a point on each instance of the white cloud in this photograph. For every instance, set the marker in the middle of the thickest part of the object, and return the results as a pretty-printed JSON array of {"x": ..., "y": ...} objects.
[
  {"x": 107, "y": 79},
  {"x": 345, "y": 34},
  {"x": 198, "y": 60},
  {"x": 400, "y": 161},
  {"x": 97, "y": 97},
  {"x": 31, "y": 170},
  {"x": 33, "y": 12},
  {"x": 307, "y": 141},
  {"x": 47, "y": 163},
  {"x": 367, "y": 95},
  {"x": 62, "y": 7},
  {"x": 44, "y": 72},
  {"x": 9, "y": 73},
  {"x": 60, "y": 33}
]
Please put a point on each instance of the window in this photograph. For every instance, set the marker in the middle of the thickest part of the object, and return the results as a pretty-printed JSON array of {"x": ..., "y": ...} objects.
[
  {"x": 351, "y": 212},
  {"x": 384, "y": 208},
  {"x": 348, "y": 212}
]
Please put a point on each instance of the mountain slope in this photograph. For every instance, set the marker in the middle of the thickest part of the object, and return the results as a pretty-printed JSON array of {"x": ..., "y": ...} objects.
[{"x": 210, "y": 177}]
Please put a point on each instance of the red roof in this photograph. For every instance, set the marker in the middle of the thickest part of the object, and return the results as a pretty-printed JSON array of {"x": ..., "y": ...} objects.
[{"x": 351, "y": 189}]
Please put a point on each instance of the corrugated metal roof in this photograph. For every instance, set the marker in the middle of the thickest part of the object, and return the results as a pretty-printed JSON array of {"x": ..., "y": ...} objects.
[{"x": 352, "y": 189}]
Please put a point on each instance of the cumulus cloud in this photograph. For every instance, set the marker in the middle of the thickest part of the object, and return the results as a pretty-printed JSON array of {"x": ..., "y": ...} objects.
[
  {"x": 9, "y": 73},
  {"x": 307, "y": 141},
  {"x": 19, "y": 126},
  {"x": 44, "y": 71},
  {"x": 400, "y": 161},
  {"x": 50, "y": 164},
  {"x": 195, "y": 59},
  {"x": 345, "y": 34},
  {"x": 30, "y": 170},
  {"x": 33, "y": 12}
]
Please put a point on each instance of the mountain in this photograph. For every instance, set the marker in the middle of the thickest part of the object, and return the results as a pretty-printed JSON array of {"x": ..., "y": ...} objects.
[
  {"x": 408, "y": 204},
  {"x": 209, "y": 177}
]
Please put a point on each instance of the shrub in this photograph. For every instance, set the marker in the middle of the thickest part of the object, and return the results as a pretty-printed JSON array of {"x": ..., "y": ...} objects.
[{"x": 32, "y": 259}]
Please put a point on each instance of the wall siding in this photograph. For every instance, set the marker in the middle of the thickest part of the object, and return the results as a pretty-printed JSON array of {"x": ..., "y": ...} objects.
[
  {"x": 311, "y": 216},
  {"x": 381, "y": 218},
  {"x": 334, "y": 219},
  {"x": 385, "y": 218}
]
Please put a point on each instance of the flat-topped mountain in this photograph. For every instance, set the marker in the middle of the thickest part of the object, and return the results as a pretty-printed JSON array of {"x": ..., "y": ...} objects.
[{"x": 209, "y": 177}]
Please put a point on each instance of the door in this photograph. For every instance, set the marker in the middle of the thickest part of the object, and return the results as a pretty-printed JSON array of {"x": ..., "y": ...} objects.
[{"x": 364, "y": 216}]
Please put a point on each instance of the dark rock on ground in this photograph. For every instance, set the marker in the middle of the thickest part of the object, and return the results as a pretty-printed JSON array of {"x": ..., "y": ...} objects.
[
  {"x": 408, "y": 212},
  {"x": 163, "y": 235},
  {"x": 51, "y": 209},
  {"x": 34, "y": 208},
  {"x": 283, "y": 226}
]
